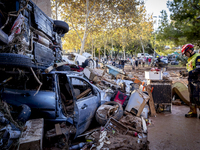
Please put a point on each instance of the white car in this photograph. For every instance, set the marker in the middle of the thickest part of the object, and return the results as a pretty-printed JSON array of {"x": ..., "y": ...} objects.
[
  {"x": 84, "y": 60},
  {"x": 165, "y": 60},
  {"x": 144, "y": 55}
]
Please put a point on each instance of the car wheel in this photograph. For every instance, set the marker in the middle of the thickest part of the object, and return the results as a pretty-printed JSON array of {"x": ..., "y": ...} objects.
[
  {"x": 91, "y": 64},
  {"x": 24, "y": 114},
  {"x": 63, "y": 68},
  {"x": 9, "y": 59},
  {"x": 61, "y": 25},
  {"x": 102, "y": 120}
]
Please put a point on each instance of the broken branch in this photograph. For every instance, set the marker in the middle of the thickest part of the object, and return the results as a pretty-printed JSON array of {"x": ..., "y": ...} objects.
[{"x": 37, "y": 81}]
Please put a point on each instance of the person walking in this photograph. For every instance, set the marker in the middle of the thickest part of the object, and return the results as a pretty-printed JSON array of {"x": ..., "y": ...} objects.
[
  {"x": 143, "y": 61},
  {"x": 133, "y": 63},
  {"x": 136, "y": 63},
  {"x": 149, "y": 61},
  {"x": 97, "y": 63}
]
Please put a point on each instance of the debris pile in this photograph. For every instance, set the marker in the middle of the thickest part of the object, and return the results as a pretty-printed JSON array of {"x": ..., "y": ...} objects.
[{"x": 41, "y": 108}]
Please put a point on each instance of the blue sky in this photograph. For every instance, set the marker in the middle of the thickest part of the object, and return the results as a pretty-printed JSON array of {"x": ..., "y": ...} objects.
[{"x": 155, "y": 7}]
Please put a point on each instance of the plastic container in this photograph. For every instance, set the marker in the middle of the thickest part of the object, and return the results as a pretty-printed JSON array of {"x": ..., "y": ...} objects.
[
  {"x": 153, "y": 75},
  {"x": 145, "y": 112},
  {"x": 120, "y": 97},
  {"x": 78, "y": 146}
]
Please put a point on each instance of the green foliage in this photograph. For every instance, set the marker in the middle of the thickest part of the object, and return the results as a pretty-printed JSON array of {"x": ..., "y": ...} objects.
[
  {"x": 184, "y": 21},
  {"x": 106, "y": 26}
]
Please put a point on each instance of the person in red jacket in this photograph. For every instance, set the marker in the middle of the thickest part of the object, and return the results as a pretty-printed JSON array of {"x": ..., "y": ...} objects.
[{"x": 149, "y": 61}]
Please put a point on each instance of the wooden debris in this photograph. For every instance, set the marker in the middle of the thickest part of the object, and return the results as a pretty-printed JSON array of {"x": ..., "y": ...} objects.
[
  {"x": 151, "y": 102},
  {"x": 104, "y": 72},
  {"x": 66, "y": 130},
  {"x": 49, "y": 69},
  {"x": 83, "y": 94},
  {"x": 128, "y": 68},
  {"x": 58, "y": 129},
  {"x": 37, "y": 81},
  {"x": 176, "y": 102},
  {"x": 56, "y": 65},
  {"x": 32, "y": 137}
]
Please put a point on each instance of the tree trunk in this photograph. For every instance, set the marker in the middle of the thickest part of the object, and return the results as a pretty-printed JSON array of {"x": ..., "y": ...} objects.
[
  {"x": 124, "y": 52},
  {"x": 123, "y": 44},
  {"x": 104, "y": 54},
  {"x": 112, "y": 48},
  {"x": 99, "y": 54},
  {"x": 86, "y": 28},
  {"x": 56, "y": 11},
  {"x": 142, "y": 44},
  {"x": 104, "y": 49},
  {"x": 92, "y": 48}
]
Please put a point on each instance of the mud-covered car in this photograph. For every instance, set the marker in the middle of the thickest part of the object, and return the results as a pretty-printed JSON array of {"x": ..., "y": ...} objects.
[
  {"x": 63, "y": 97},
  {"x": 28, "y": 37}
]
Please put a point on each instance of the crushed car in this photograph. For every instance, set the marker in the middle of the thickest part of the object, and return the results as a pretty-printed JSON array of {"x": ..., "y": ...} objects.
[
  {"x": 30, "y": 42},
  {"x": 28, "y": 37},
  {"x": 63, "y": 97}
]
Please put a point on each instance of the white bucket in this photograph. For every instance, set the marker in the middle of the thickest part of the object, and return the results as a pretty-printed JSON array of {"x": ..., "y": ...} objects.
[{"x": 145, "y": 112}]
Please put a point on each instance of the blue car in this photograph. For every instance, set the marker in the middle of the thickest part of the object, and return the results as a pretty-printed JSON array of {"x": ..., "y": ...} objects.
[{"x": 63, "y": 97}]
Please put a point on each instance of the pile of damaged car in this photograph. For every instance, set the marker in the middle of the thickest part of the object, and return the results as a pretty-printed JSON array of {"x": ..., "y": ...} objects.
[{"x": 45, "y": 105}]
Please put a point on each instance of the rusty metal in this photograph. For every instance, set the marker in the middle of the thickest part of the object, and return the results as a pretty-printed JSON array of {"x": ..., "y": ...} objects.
[
  {"x": 182, "y": 91},
  {"x": 43, "y": 41}
]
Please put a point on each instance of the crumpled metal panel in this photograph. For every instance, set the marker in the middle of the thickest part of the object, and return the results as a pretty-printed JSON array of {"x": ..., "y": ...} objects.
[
  {"x": 43, "y": 22},
  {"x": 43, "y": 54}
]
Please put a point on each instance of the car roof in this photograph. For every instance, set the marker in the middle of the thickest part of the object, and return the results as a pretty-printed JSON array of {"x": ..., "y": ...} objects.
[{"x": 70, "y": 73}]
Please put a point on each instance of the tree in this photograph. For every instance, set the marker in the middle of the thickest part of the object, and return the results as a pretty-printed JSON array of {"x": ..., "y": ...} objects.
[
  {"x": 85, "y": 15},
  {"x": 119, "y": 26},
  {"x": 184, "y": 20}
]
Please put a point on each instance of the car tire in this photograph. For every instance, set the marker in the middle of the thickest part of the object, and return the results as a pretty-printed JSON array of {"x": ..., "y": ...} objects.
[
  {"x": 24, "y": 114},
  {"x": 117, "y": 115},
  {"x": 87, "y": 63},
  {"x": 63, "y": 68},
  {"x": 61, "y": 24},
  {"x": 91, "y": 64},
  {"x": 9, "y": 59}
]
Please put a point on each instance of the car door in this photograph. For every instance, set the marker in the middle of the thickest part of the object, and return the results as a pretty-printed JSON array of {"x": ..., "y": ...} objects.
[
  {"x": 42, "y": 103},
  {"x": 87, "y": 100}
]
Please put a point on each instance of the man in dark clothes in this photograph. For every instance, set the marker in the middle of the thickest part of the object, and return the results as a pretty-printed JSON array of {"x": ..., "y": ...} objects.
[
  {"x": 96, "y": 62},
  {"x": 122, "y": 64}
]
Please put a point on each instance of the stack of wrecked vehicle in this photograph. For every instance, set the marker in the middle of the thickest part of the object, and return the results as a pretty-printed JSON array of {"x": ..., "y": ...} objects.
[
  {"x": 30, "y": 42},
  {"x": 29, "y": 38}
]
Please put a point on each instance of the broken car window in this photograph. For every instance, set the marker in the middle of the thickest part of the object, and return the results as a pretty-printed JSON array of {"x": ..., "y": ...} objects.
[
  {"x": 28, "y": 82},
  {"x": 81, "y": 88},
  {"x": 66, "y": 95}
]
